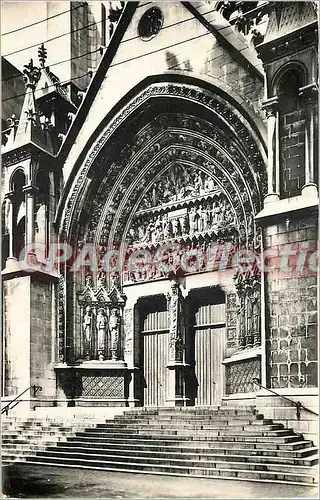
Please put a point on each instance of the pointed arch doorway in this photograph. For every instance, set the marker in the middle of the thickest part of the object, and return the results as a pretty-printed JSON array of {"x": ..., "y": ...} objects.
[{"x": 179, "y": 165}]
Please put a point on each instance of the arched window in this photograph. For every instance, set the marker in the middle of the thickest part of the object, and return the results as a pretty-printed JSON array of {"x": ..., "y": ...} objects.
[
  {"x": 291, "y": 134},
  {"x": 18, "y": 181}
]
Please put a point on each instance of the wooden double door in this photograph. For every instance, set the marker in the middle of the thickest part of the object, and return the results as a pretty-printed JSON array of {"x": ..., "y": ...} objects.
[
  {"x": 205, "y": 346},
  {"x": 207, "y": 343}
]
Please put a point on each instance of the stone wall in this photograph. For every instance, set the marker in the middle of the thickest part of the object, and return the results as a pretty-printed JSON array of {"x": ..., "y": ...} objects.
[
  {"x": 183, "y": 46},
  {"x": 16, "y": 327},
  {"x": 281, "y": 410},
  {"x": 42, "y": 337},
  {"x": 292, "y": 305},
  {"x": 292, "y": 151}
]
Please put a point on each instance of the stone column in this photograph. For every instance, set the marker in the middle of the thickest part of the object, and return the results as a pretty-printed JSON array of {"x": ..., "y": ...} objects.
[
  {"x": 30, "y": 194},
  {"x": 176, "y": 364},
  {"x": 309, "y": 94},
  {"x": 12, "y": 263},
  {"x": 270, "y": 107}
]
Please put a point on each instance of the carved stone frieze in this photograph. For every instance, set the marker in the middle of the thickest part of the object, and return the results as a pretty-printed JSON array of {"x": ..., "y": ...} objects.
[
  {"x": 61, "y": 319},
  {"x": 128, "y": 331}
]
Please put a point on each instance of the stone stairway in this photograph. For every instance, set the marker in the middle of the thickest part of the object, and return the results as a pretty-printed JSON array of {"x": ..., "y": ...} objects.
[
  {"x": 22, "y": 437},
  {"x": 219, "y": 443}
]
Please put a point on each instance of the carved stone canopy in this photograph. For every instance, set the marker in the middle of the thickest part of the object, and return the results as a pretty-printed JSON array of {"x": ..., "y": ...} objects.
[{"x": 112, "y": 297}]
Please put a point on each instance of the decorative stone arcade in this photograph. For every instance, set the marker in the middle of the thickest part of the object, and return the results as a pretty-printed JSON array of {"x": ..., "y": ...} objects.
[{"x": 165, "y": 211}]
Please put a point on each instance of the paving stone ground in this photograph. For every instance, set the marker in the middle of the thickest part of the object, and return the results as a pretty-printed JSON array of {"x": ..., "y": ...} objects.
[{"x": 27, "y": 481}]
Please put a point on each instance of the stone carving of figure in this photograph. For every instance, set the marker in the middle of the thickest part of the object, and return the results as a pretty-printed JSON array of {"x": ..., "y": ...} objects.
[
  {"x": 175, "y": 227},
  {"x": 248, "y": 305},
  {"x": 100, "y": 280},
  {"x": 218, "y": 213},
  {"x": 158, "y": 229},
  {"x": 182, "y": 193},
  {"x": 214, "y": 219},
  {"x": 205, "y": 218},
  {"x": 149, "y": 231},
  {"x": 133, "y": 234},
  {"x": 176, "y": 323},
  {"x": 198, "y": 185},
  {"x": 87, "y": 331},
  {"x": 183, "y": 224},
  {"x": 101, "y": 329},
  {"x": 200, "y": 219},
  {"x": 166, "y": 227},
  {"x": 209, "y": 185},
  {"x": 193, "y": 220},
  {"x": 88, "y": 280},
  {"x": 242, "y": 321},
  {"x": 114, "y": 328},
  {"x": 256, "y": 313},
  {"x": 115, "y": 281},
  {"x": 141, "y": 229}
]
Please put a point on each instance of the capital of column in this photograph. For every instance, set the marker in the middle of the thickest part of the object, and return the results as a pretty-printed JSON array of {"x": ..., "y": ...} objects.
[
  {"x": 270, "y": 106},
  {"x": 10, "y": 195},
  {"x": 309, "y": 93},
  {"x": 30, "y": 190}
]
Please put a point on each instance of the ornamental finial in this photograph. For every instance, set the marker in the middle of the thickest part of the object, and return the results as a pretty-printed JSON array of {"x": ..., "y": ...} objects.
[
  {"x": 31, "y": 74},
  {"x": 42, "y": 55}
]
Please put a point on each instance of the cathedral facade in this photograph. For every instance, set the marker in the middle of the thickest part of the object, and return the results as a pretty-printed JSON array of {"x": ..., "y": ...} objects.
[{"x": 160, "y": 226}]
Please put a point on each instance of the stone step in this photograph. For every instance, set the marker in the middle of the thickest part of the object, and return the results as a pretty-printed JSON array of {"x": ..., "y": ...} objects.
[
  {"x": 186, "y": 455},
  {"x": 185, "y": 441},
  {"x": 208, "y": 408},
  {"x": 183, "y": 462},
  {"x": 195, "y": 437},
  {"x": 114, "y": 432},
  {"x": 36, "y": 430},
  {"x": 46, "y": 439},
  {"x": 190, "y": 425},
  {"x": 273, "y": 475},
  {"x": 185, "y": 418},
  {"x": 245, "y": 450},
  {"x": 238, "y": 443},
  {"x": 35, "y": 434},
  {"x": 25, "y": 447},
  {"x": 183, "y": 413}
]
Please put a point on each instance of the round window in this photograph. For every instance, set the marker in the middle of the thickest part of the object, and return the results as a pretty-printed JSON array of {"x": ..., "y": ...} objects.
[{"x": 150, "y": 23}]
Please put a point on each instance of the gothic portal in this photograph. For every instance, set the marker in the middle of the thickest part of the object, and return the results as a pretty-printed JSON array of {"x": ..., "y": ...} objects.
[
  {"x": 160, "y": 212},
  {"x": 166, "y": 204}
]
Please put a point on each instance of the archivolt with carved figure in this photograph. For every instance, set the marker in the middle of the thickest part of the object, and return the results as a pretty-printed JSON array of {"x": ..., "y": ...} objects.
[{"x": 190, "y": 174}]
